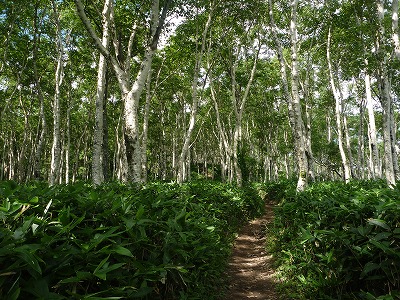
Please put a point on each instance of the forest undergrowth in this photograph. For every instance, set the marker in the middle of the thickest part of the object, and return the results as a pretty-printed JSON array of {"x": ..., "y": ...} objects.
[
  {"x": 337, "y": 240},
  {"x": 158, "y": 241},
  {"x": 169, "y": 241}
]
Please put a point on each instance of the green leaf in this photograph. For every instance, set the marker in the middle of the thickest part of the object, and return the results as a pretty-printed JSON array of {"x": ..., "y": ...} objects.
[
  {"x": 378, "y": 222},
  {"x": 102, "y": 273},
  {"x": 369, "y": 267},
  {"x": 34, "y": 200},
  {"x": 24, "y": 253},
  {"x": 123, "y": 251},
  {"x": 140, "y": 212}
]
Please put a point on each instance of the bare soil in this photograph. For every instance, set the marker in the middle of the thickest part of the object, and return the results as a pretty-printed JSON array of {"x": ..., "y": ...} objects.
[{"x": 250, "y": 273}]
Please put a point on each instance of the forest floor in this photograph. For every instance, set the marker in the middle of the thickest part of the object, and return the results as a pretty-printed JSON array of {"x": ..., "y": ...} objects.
[{"x": 250, "y": 272}]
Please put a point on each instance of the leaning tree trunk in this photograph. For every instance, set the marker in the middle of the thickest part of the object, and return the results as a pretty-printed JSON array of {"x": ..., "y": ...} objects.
[
  {"x": 182, "y": 173},
  {"x": 338, "y": 112}
]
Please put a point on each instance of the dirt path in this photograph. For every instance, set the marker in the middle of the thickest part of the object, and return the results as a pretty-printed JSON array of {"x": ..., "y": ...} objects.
[{"x": 250, "y": 272}]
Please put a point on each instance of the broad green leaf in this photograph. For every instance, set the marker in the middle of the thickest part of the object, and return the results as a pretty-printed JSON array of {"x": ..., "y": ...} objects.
[
  {"x": 29, "y": 258},
  {"x": 369, "y": 267},
  {"x": 123, "y": 251},
  {"x": 378, "y": 222},
  {"x": 34, "y": 200}
]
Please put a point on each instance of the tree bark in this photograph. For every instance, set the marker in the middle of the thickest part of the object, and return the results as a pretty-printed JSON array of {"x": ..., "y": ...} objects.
[
  {"x": 395, "y": 28},
  {"x": 56, "y": 146},
  {"x": 300, "y": 138},
  {"x": 384, "y": 89},
  {"x": 374, "y": 155},
  {"x": 293, "y": 97},
  {"x": 98, "y": 136},
  {"x": 338, "y": 112},
  {"x": 182, "y": 173},
  {"x": 131, "y": 91}
]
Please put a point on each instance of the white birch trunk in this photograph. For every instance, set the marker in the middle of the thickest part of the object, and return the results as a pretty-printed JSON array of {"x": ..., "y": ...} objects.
[
  {"x": 384, "y": 89},
  {"x": 299, "y": 124},
  {"x": 338, "y": 112},
  {"x": 395, "y": 28},
  {"x": 98, "y": 136},
  {"x": 56, "y": 146},
  {"x": 374, "y": 155},
  {"x": 292, "y": 97},
  {"x": 146, "y": 129},
  {"x": 182, "y": 172},
  {"x": 131, "y": 91}
]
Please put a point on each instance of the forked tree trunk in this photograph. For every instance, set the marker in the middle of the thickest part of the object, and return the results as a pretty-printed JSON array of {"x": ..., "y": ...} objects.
[{"x": 130, "y": 90}]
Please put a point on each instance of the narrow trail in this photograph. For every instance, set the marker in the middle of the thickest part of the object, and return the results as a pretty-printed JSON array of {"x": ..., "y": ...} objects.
[{"x": 250, "y": 272}]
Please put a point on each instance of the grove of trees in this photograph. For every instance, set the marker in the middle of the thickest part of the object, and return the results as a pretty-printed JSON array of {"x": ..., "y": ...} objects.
[{"x": 240, "y": 91}]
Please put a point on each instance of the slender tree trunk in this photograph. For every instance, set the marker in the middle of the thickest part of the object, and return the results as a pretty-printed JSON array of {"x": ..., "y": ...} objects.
[
  {"x": 384, "y": 88},
  {"x": 21, "y": 169},
  {"x": 361, "y": 142},
  {"x": 374, "y": 155},
  {"x": 68, "y": 145},
  {"x": 121, "y": 162},
  {"x": 395, "y": 28},
  {"x": 299, "y": 124},
  {"x": 56, "y": 147},
  {"x": 98, "y": 136},
  {"x": 293, "y": 97},
  {"x": 338, "y": 112},
  {"x": 37, "y": 166},
  {"x": 183, "y": 157},
  {"x": 225, "y": 151},
  {"x": 146, "y": 128}
]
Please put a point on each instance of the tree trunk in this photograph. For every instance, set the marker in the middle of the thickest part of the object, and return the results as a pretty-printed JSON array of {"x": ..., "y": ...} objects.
[
  {"x": 395, "y": 28},
  {"x": 338, "y": 112},
  {"x": 131, "y": 91},
  {"x": 384, "y": 89},
  {"x": 98, "y": 136},
  {"x": 300, "y": 138},
  {"x": 56, "y": 147},
  {"x": 42, "y": 118},
  {"x": 374, "y": 155},
  {"x": 146, "y": 129},
  {"x": 182, "y": 173},
  {"x": 293, "y": 97}
]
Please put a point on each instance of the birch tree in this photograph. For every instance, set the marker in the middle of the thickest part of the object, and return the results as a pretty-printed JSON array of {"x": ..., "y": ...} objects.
[
  {"x": 338, "y": 113},
  {"x": 386, "y": 99},
  {"x": 183, "y": 169},
  {"x": 131, "y": 89},
  {"x": 56, "y": 146},
  {"x": 98, "y": 136}
]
